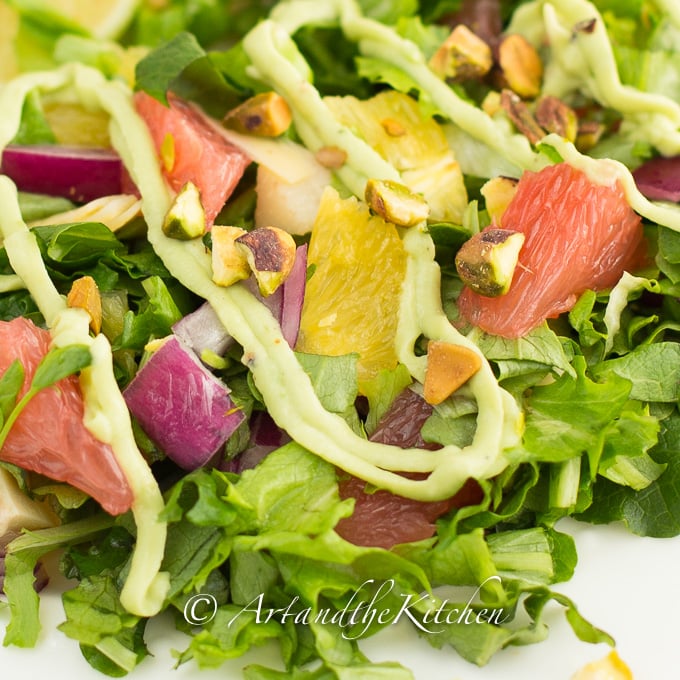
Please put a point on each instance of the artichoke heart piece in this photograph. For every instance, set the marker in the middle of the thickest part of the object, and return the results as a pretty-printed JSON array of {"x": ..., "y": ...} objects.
[
  {"x": 486, "y": 262},
  {"x": 185, "y": 219}
]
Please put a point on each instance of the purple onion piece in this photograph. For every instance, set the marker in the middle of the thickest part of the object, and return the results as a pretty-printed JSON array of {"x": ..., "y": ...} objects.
[
  {"x": 273, "y": 302},
  {"x": 659, "y": 179},
  {"x": 265, "y": 437},
  {"x": 182, "y": 406},
  {"x": 293, "y": 297},
  {"x": 80, "y": 174},
  {"x": 285, "y": 303},
  {"x": 202, "y": 330}
]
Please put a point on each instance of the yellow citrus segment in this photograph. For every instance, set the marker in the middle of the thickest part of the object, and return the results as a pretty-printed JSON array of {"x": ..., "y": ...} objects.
[
  {"x": 352, "y": 297},
  {"x": 102, "y": 18},
  {"x": 9, "y": 25},
  {"x": 611, "y": 667},
  {"x": 394, "y": 125},
  {"x": 73, "y": 124}
]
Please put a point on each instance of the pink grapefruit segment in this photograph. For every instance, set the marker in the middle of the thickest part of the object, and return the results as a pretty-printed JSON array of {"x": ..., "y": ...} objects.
[
  {"x": 383, "y": 519},
  {"x": 49, "y": 437},
  {"x": 190, "y": 149},
  {"x": 578, "y": 236}
]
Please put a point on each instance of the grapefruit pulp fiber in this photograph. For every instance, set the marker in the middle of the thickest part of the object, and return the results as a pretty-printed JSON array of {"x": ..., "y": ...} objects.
[
  {"x": 49, "y": 437},
  {"x": 578, "y": 236},
  {"x": 197, "y": 152}
]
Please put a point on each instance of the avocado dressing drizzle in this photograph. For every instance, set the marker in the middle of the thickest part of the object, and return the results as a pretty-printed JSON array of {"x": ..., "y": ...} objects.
[
  {"x": 285, "y": 387},
  {"x": 106, "y": 414}
]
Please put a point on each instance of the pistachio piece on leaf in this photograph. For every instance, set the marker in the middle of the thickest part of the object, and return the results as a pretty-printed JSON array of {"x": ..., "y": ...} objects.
[
  {"x": 229, "y": 264},
  {"x": 449, "y": 366},
  {"x": 266, "y": 114},
  {"x": 521, "y": 65},
  {"x": 462, "y": 56},
  {"x": 85, "y": 294}
]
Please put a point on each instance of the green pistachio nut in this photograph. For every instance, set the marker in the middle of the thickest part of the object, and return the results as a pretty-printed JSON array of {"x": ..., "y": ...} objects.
[{"x": 486, "y": 262}]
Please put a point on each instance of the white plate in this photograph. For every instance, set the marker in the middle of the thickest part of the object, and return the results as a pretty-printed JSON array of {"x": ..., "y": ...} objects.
[{"x": 627, "y": 585}]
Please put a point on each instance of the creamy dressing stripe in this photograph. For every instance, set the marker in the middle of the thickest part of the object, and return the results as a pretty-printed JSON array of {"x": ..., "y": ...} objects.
[{"x": 106, "y": 413}]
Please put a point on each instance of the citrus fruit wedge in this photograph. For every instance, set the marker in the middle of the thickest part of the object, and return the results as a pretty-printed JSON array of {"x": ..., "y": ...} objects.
[
  {"x": 190, "y": 150},
  {"x": 103, "y": 19},
  {"x": 49, "y": 437},
  {"x": 352, "y": 298},
  {"x": 578, "y": 236}
]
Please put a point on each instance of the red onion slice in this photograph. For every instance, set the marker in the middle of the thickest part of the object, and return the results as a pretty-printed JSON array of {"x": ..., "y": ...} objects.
[
  {"x": 265, "y": 437},
  {"x": 80, "y": 174},
  {"x": 182, "y": 406},
  {"x": 293, "y": 297},
  {"x": 203, "y": 331},
  {"x": 658, "y": 179}
]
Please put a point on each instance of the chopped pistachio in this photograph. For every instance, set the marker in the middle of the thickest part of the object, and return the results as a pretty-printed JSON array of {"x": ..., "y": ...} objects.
[
  {"x": 553, "y": 115},
  {"x": 84, "y": 294},
  {"x": 449, "y": 366},
  {"x": 229, "y": 264},
  {"x": 520, "y": 114},
  {"x": 492, "y": 103},
  {"x": 186, "y": 218},
  {"x": 396, "y": 203},
  {"x": 270, "y": 253},
  {"x": 486, "y": 262},
  {"x": 521, "y": 65},
  {"x": 331, "y": 157},
  {"x": 589, "y": 133},
  {"x": 462, "y": 56},
  {"x": 266, "y": 114},
  {"x": 498, "y": 192},
  {"x": 393, "y": 127}
]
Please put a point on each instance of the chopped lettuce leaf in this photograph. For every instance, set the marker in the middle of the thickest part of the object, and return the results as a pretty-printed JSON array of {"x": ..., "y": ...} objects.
[
  {"x": 567, "y": 417},
  {"x": 653, "y": 371},
  {"x": 654, "y": 510}
]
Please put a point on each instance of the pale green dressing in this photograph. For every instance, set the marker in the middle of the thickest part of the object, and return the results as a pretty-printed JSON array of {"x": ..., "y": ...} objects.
[
  {"x": 583, "y": 61},
  {"x": 285, "y": 387},
  {"x": 106, "y": 414},
  {"x": 499, "y": 420},
  {"x": 10, "y": 282}
]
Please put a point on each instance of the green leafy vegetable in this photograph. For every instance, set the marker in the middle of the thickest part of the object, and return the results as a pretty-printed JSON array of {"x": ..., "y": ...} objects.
[{"x": 58, "y": 363}]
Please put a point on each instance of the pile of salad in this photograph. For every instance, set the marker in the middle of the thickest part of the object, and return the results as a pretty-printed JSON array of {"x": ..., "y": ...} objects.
[{"x": 302, "y": 300}]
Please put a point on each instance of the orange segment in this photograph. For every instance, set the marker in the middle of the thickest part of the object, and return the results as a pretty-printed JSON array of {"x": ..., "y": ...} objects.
[{"x": 352, "y": 297}]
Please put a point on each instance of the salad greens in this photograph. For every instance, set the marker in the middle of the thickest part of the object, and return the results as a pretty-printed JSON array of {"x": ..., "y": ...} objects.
[{"x": 576, "y": 418}]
